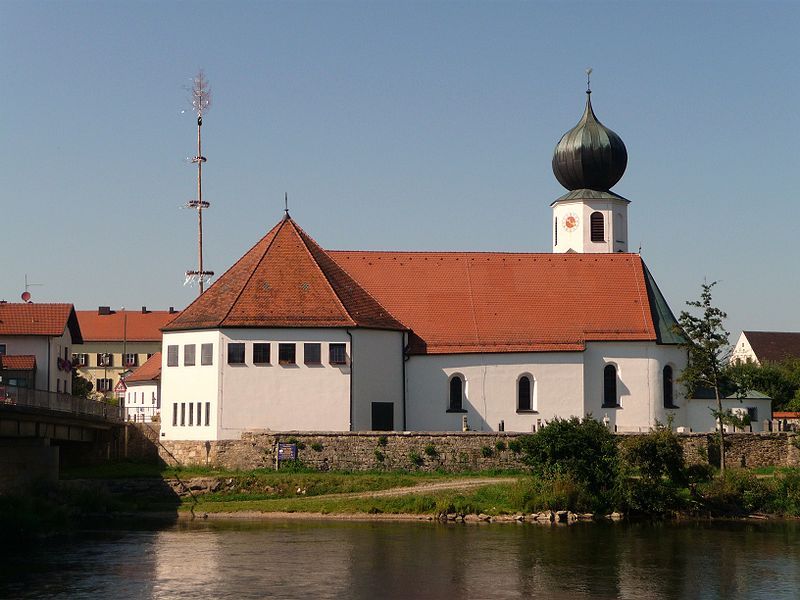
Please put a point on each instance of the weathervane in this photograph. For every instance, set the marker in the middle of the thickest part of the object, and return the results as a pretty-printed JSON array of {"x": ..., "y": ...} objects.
[
  {"x": 201, "y": 102},
  {"x": 589, "y": 80}
]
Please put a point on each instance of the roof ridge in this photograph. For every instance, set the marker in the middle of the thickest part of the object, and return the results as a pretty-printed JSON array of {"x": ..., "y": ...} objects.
[
  {"x": 302, "y": 235},
  {"x": 277, "y": 230},
  {"x": 353, "y": 279},
  {"x": 563, "y": 255}
]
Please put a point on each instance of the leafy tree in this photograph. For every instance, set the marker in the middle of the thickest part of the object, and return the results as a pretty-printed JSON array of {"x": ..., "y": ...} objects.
[
  {"x": 778, "y": 380},
  {"x": 81, "y": 387},
  {"x": 708, "y": 366}
]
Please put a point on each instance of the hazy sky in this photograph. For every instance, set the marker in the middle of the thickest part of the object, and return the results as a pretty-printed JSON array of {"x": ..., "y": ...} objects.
[{"x": 396, "y": 126}]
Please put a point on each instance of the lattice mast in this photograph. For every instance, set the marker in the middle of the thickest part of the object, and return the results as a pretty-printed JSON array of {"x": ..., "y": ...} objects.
[{"x": 201, "y": 101}]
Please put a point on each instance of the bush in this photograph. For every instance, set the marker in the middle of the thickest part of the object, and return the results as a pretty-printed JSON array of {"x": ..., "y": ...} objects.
[
  {"x": 316, "y": 447},
  {"x": 383, "y": 440},
  {"x": 379, "y": 456},
  {"x": 653, "y": 497},
  {"x": 431, "y": 451},
  {"x": 486, "y": 452},
  {"x": 515, "y": 446},
  {"x": 582, "y": 449},
  {"x": 500, "y": 445},
  {"x": 738, "y": 492},
  {"x": 415, "y": 458},
  {"x": 656, "y": 455}
]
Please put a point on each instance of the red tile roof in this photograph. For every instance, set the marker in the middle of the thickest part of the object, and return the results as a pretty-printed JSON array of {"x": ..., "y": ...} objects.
[
  {"x": 149, "y": 371},
  {"x": 786, "y": 415},
  {"x": 21, "y": 362},
  {"x": 774, "y": 346},
  {"x": 285, "y": 280},
  {"x": 502, "y": 302},
  {"x": 39, "y": 319},
  {"x": 132, "y": 325}
]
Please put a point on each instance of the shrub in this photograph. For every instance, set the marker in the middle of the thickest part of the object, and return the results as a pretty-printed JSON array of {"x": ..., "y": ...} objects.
[
  {"x": 515, "y": 446},
  {"x": 379, "y": 456},
  {"x": 383, "y": 440},
  {"x": 415, "y": 458},
  {"x": 431, "y": 451},
  {"x": 486, "y": 452},
  {"x": 656, "y": 455},
  {"x": 560, "y": 492},
  {"x": 294, "y": 440},
  {"x": 653, "y": 497},
  {"x": 738, "y": 492},
  {"x": 316, "y": 447},
  {"x": 583, "y": 449},
  {"x": 500, "y": 445}
]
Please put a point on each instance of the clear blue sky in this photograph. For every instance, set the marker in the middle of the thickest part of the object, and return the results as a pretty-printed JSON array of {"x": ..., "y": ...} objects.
[{"x": 420, "y": 126}]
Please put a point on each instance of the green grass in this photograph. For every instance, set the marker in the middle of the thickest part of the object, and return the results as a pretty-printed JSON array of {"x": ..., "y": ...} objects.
[{"x": 494, "y": 499}]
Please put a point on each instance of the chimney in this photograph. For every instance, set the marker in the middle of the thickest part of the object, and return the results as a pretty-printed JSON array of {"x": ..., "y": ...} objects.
[
  {"x": 103, "y": 310},
  {"x": 144, "y": 310},
  {"x": 172, "y": 310}
]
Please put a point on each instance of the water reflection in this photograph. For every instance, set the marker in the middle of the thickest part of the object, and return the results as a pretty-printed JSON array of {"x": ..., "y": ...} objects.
[{"x": 412, "y": 560}]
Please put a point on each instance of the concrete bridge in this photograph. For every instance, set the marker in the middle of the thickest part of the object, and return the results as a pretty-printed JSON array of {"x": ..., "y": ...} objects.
[{"x": 40, "y": 430}]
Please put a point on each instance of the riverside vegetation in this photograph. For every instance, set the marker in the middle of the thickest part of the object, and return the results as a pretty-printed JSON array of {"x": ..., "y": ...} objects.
[{"x": 574, "y": 465}]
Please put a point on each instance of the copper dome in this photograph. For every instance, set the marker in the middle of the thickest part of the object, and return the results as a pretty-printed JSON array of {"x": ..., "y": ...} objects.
[{"x": 589, "y": 156}]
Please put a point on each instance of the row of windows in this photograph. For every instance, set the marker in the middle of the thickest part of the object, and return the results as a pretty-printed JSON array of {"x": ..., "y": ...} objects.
[
  {"x": 132, "y": 397},
  {"x": 525, "y": 388},
  {"x": 287, "y": 353},
  {"x": 190, "y": 355},
  {"x": 195, "y": 415},
  {"x": 106, "y": 359}
]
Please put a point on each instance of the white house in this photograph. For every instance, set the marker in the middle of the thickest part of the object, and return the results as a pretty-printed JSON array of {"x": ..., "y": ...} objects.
[
  {"x": 766, "y": 346},
  {"x": 143, "y": 391},
  {"x": 294, "y": 337},
  {"x": 36, "y": 341}
]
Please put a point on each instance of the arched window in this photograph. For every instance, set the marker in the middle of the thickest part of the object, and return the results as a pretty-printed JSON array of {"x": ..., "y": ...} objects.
[
  {"x": 456, "y": 393},
  {"x": 524, "y": 393},
  {"x": 669, "y": 394},
  {"x": 597, "y": 227},
  {"x": 610, "y": 386}
]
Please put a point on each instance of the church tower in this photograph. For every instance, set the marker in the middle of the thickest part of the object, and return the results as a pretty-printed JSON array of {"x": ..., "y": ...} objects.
[{"x": 589, "y": 160}]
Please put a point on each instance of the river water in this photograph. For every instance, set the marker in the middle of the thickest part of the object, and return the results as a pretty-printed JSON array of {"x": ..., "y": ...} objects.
[{"x": 292, "y": 559}]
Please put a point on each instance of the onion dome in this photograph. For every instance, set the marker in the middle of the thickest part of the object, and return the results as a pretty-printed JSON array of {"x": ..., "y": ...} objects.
[{"x": 589, "y": 156}]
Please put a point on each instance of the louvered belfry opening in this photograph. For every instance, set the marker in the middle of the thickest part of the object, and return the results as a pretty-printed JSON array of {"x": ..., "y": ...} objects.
[{"x": 598, "y": 227}]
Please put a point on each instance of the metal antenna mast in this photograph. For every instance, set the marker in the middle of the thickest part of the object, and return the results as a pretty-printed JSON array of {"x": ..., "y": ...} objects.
[{"x": 201, "y": 101}]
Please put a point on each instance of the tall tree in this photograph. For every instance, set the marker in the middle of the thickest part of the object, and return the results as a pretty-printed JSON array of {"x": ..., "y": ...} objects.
[{"x": 709, "y": 350}]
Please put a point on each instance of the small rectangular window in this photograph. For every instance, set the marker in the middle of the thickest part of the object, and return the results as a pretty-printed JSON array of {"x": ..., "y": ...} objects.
[
  {"x": 172, "y": 356},
  {"x": 286, "y": 354},
  {"x": 104, "y": 385},
  {"x": 130, "y": 359},
  {"x": 261, "y": 354},
  {"x": 105, "y": 359},
  {"x": 236, "y": 353},
  {"x": 175, "y": 415},
  {"x": 188, "y": 355},
  {"x": 191, "y": 413},
  {"x": 58, "y": 386},
  {"x": 208, "y": 413},
  {"x": 2, "y": 349},
  {"x": 338, "y": 354},
  {"x": 312, "y": 354},
  {"x": 183, "y": 414},
  {"x": 81, "y": 360},
  {"x": 199, "y": 414},
  {"x": 207, "y": 354}
]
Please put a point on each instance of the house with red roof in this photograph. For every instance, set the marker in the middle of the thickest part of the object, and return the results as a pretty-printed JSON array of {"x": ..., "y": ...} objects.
[
  {"x": 36, "y": 341},
  {"x": 143, "y": 391},
  {"x": 116, "y": 342},
  {"x": 296, "y": 337},
  {"x": 761, "y": 347}
]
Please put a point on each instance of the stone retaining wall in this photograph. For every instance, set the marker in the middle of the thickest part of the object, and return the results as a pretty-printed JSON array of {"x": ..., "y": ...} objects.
[{"x": 449, "y": 451}]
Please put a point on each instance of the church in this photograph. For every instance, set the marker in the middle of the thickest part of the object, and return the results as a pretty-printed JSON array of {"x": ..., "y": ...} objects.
[{"x": 296, "y": 337}]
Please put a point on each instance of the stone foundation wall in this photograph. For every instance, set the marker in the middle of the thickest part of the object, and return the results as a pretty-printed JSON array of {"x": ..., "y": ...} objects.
[{"x": 451, "y": 451}]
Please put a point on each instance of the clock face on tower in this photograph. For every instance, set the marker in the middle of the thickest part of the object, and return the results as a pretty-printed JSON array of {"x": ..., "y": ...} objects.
[{"x": 570, "y": 222}]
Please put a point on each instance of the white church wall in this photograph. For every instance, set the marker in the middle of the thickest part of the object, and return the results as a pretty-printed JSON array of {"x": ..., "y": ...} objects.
[
  {"x": 284, "y": 397},
  {"x": 490, "y": 392},
  {"x": 377, "y": 361},
  {"x": 183, "y": 387},
  {"x": 640, "y": 368}
]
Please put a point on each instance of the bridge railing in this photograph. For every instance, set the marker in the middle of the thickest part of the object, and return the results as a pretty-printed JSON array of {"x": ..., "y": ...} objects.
[{"x": 65, "y": 403}]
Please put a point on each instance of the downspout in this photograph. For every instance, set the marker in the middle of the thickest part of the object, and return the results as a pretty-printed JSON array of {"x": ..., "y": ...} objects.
[
  {"x": 405, "y": 357},
  {"x": 350, "y": 335}
]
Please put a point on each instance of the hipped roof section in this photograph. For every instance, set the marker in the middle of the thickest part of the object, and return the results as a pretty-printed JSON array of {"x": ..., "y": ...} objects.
[{"x": 285, "y": 280}]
